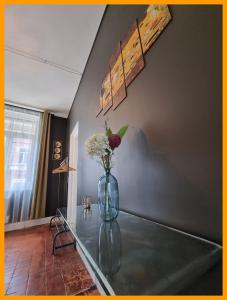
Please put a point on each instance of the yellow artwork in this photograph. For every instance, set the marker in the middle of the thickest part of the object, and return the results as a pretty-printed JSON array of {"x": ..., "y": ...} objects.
[
  {"x": 117, "y": 78},
  {"x": 106, "y": 94},
  {"x": 155, "y": 20},
  {"x": 128, "y": 60},
  {"x": 132, "y": 54},
  {"x": 100, "y": 107}
]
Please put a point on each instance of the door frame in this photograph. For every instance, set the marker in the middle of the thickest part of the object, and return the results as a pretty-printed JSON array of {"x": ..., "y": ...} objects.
[{"x": 72, "y": 180}]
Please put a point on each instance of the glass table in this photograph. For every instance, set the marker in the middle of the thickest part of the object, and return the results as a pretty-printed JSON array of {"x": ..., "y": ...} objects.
[{"x": 136, "y": 256}]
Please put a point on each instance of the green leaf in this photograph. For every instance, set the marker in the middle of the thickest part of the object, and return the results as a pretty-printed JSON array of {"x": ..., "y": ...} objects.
[
  {"x": 108, "y": 132},
  {"x": 122, "y": 131}
]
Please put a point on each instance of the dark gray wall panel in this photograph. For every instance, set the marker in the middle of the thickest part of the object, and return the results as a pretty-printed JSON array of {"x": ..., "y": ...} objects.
[
  {"x": 169, "y": 165},
  {"x": 57, "y": 132}
]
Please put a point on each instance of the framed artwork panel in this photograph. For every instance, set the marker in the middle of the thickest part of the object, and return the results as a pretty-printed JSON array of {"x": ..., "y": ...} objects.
[
  {"x": 117, "y": 78},
  {"x": 100, "y": 106},
  {"x": 106, "y": 93},
  {"x": 133, "y": 61},
  {"x": 153, "y": 23}
]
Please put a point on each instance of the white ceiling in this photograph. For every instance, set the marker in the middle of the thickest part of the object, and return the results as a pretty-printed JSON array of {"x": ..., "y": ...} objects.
[{"x": 56, "y": 34}]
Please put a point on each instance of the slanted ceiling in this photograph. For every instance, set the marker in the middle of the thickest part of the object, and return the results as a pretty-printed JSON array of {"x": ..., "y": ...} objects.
[{"x": 46, "y": 50}]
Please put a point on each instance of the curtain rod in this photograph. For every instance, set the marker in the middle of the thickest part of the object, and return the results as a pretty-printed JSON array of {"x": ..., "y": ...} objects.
[
  {"x": 57, "y": 114},
  {"x": 23, "y": 106}
]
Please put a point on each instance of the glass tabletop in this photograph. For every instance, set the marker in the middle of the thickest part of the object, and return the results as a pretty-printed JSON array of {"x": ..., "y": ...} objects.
[{"x": 135, "y": 256}]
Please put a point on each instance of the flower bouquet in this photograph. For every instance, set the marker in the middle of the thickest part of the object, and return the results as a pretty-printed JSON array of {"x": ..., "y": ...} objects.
[{"x": 102, "y": 146}]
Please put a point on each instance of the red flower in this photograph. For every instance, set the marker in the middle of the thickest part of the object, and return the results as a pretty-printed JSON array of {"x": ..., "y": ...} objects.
[{"x": 114, "y": 141}]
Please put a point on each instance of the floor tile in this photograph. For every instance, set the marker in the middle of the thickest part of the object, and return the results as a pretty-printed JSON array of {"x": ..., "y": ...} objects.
[
  {"x": 31, "y": 269},
  {"x": 21, "y": 271},
  {"x": 78, "y": 284},
  {"x": 55, "y": 284},
  {"x": 19, "y": 290},
  {"x": 36, "y": 286},
  {"x": 18, "y": 280}
]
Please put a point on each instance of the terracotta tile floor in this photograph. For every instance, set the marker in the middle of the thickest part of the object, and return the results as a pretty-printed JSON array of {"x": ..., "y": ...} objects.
[{"x": 31, "y": 269}]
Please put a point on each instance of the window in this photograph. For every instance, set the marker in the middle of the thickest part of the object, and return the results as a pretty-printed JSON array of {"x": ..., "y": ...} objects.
[
  {"x": 22, "y": 130},
  {"x": 23, "y": 153}
]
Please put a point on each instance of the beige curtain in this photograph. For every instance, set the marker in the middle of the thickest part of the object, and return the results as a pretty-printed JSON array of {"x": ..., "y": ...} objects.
[{"x": 38, "y": 204}]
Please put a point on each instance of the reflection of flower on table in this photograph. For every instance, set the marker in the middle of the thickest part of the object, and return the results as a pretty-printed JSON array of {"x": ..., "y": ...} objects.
[{"x": 109, "y": 248}]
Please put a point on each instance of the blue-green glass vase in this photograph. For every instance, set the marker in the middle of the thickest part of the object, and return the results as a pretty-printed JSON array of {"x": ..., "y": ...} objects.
[
  {"x": 109, "y": 248},
  {"x": 108, "y": 197}
]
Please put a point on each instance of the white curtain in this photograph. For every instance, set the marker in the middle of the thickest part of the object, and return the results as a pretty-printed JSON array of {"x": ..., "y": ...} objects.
[{"x": 22, "y": 133}]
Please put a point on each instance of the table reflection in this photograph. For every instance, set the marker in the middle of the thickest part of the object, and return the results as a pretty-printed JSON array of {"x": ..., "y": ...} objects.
[
  {"x": 87, "y": 213},
  {"x": 109, "y": 248},
  {"x": 135, "y": 256}
]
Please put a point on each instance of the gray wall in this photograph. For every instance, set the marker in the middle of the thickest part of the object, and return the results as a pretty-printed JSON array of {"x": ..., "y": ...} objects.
[{"x": 169, "y": 164}]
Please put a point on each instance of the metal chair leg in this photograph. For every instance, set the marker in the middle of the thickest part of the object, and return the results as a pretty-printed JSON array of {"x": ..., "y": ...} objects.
[
  {"x": 61, "y": 246},
  {"x": 54, "y": 241},
  {"x": 64, "y": 229}
]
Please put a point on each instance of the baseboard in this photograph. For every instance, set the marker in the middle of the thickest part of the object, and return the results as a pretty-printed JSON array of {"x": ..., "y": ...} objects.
[{"x": 26, "y": 224}]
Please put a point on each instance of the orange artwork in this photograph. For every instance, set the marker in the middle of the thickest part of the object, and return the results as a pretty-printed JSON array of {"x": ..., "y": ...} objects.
[
  {"x": 128, "y": 60},
  {"x": 106, "y": 94},
  {"x": 154, "y": 21},
  {"x": 132, "y": 54},
  {"x": 117, "y": 78},
  {"x": 100, "y": 107}
]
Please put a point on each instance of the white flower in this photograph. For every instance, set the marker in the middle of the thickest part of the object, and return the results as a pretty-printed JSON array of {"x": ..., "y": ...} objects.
[{"x": 97, "y": 144}]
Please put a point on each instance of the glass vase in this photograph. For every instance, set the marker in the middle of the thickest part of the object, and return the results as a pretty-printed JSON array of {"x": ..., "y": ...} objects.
[
  {"x": 109, "y": 248},
  {"x": 108, "y": 197}
]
